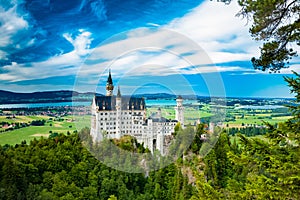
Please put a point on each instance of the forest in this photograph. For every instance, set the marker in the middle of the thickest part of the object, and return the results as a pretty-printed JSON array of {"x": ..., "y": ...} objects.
[{"x": 60, "y": 167}]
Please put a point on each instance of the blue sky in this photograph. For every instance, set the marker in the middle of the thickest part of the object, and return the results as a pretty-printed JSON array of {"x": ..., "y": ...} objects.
[{"x": 181, "y": 47}]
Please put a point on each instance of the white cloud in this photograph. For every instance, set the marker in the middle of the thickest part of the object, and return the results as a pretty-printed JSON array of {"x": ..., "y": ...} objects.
[
  {"x": 81, "y": 43},
  {"x": 13, "y": 29},
  {"x": 164, "y": 52},
  {"x": 218, "y": 31},
  {"x": 210, "y": 33},
  {"x": 60, "y": 65}
]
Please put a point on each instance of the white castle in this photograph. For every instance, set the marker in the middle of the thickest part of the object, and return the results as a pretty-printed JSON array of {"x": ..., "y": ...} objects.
[{"x": 116, "y": 116}]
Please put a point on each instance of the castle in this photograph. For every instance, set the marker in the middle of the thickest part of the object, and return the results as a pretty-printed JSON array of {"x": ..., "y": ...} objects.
[{"x": 116, "y": 116}]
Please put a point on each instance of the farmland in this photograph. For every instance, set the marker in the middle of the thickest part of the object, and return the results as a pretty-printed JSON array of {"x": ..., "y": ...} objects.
[
  {"x": 15, "y": 125},
  {"x": 59, "y": 125}
]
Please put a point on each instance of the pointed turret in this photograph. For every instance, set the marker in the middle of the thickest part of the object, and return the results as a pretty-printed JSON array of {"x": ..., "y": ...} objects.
[
  {"x": 119, "y": 92},
  {"x": 109, "y": 79},
  {"x": 109, "y": 85}
]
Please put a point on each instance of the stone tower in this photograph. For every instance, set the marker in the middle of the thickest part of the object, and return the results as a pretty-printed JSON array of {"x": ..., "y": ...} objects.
[
  {"x": 179, "y": 111},
  {"x": 118, "y": 110},
  {"x": 109, "y": 85}
]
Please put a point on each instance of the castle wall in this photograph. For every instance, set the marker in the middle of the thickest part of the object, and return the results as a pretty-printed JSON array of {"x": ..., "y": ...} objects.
[{"x": 114, "y": 119}]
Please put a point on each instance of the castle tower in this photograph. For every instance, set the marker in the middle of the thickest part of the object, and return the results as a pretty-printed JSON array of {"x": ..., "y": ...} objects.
[
  {"x": 179, "y": 111},
  {"x": 118, "y": 117},
  {"x": 109, "y": 85}
]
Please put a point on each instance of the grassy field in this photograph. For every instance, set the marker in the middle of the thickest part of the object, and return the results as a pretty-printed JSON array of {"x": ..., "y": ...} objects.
[
  {"x": 28, "y": 133},
  {"x": 71, "y": 123},
  {"x": 254, "y": 120},
  {"x": 19, "y": 119},
  {"x": 191, "y": 114}
]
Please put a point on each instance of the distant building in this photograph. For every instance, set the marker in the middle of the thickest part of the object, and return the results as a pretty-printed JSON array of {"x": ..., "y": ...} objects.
[{"x": 116, "y": 116}]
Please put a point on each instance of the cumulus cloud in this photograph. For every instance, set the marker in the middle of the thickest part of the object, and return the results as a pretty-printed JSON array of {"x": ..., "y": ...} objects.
[
  {"x": 81, "y": 43},
  {"x": 218, "y": 31},
  {"x": 60, "y": 65},
  {"x": 197, "y": 40},
  {"x": 14, "y": 29},
  {"x": 209, "y": 34},
  {"x": 157, "y": 52}
]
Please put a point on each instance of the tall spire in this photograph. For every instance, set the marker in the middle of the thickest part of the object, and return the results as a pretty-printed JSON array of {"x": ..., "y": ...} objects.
[
  {"x": 119, "y": 92},
  {"x": 109, "y": 79},
  {"x": 109, "y": 85}
]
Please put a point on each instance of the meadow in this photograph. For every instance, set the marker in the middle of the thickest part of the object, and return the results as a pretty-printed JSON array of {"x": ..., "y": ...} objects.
[
  {"x": 244, "y": 117},
  {"x": 191, "y": 114},
  {"x": 234, "y": 118},
  {"x": 52, "y": 125}
]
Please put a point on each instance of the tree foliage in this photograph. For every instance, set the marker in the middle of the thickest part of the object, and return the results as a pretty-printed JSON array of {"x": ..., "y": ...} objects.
[
  {"x": 61, "y": 168},
  {"x": 277, "y": 24},
  {"x": 255, "y": 167}
]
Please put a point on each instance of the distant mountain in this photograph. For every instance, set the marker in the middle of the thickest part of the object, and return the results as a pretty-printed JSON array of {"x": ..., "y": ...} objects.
[
  {"x": 156, "y": 96},
  {"x": 7, "y": 97}
]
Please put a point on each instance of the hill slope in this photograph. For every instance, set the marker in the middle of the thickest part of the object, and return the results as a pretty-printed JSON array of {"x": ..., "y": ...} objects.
[{"x": 7, "y": 97}]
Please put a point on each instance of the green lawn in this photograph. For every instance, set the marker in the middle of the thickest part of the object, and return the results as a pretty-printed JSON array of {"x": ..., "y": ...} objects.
[
  {"x": 28, "y": 133},
  {"x": 249, "y": 119},
  {"x": 81, "y": 121},
  {"x": 167, "y": 112},
  {"x": 25, "y": 119},
  {"x": 190, "y": 114}
]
